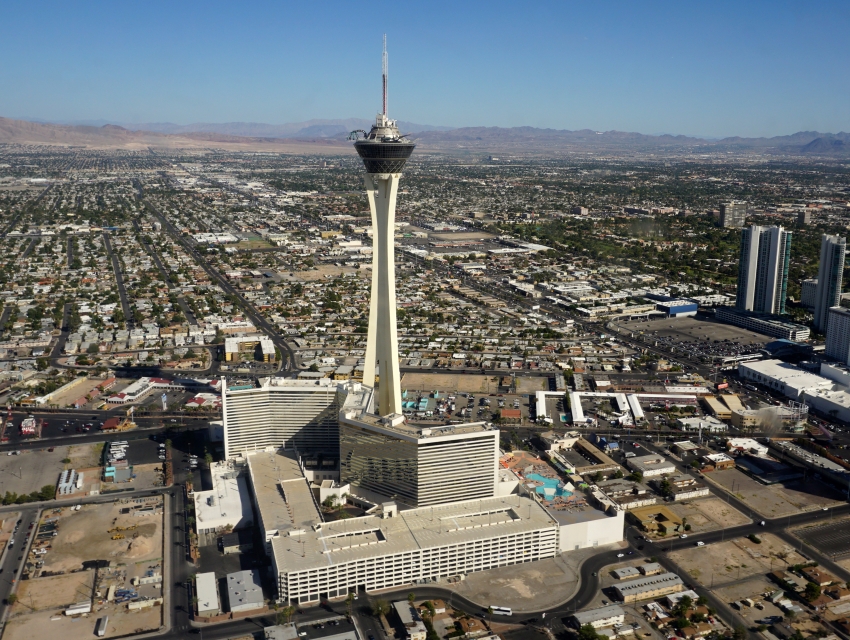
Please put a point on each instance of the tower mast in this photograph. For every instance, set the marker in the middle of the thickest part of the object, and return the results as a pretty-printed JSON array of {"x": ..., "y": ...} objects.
[{"x": 384, "y": 66}]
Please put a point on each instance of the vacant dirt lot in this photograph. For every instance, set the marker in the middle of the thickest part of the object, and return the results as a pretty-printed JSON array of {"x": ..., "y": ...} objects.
[
  {"x": 530, "y": 385},
  {"x": 67, "y": 397},
  {"x": 729, "y": 561},
  {"x": 450, "y": 382},
  {"x": 774, "y": 500},
  {"x": 709, "y": 514},
  {"x": 55, "y": 592},
  {"x": 83, "y": 535},
  {"x": 25, "y": 624},
  {"x": 326, "y": 272}
]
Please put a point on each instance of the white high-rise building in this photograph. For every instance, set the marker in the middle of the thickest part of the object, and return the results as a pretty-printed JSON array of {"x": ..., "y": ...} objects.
[
  {"x": 830, "y": 278},
  {"x": 299, "y": 414},
  {"x": 763, "y": 270},
  {"x": 838, "y": 335}
]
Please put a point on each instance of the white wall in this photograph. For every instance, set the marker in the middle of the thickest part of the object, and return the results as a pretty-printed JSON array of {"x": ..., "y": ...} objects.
[{"x": 593, "y": 533}]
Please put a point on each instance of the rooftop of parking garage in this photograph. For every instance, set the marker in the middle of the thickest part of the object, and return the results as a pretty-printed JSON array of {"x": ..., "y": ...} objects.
[{"x": 304, "y": 541}]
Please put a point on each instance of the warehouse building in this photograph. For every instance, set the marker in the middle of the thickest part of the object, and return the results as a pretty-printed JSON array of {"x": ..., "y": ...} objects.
[
  {"x": 245, "y": 591},
  {"x": 678, "y": 308},
  {"x": 648, "y": 588},
  {"x": 782, "y": 377}
]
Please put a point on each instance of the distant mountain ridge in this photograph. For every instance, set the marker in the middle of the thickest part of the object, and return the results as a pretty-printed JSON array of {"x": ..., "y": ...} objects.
[
  {"x": 330, "y": 134},
  {"x": 307, "y": 129}
]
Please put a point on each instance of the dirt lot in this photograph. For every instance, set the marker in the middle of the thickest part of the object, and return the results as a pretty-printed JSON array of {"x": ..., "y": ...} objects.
[
  {"x": 775, "y": 500},
  {"x": 530, "y": 385},
  {"x": 6, "y": 527},
  {"x": 324, "y": 272},
  {"x": 709, "y": 514},
  {"x": 724, "y": 562},
  {"x": 450, "y": 382},
  {"x": 79, "y": 390},
  {"x": 83, "y": 536},
  {"x": 751, "y": 589},
  {"x": 56, "y": 592}
]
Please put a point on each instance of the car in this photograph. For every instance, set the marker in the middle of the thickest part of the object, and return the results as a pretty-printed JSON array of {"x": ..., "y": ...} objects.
[
  {"x": 621, "y": 555},
  {"x": 684, "y": 535},
  {"x": 700, "y": 543},
  {"x": 825, "y": 509},
  {"x": 594, "y": 574}
]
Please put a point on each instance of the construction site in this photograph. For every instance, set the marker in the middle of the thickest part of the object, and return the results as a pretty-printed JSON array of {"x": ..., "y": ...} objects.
[{"x": 91, "y": 562}]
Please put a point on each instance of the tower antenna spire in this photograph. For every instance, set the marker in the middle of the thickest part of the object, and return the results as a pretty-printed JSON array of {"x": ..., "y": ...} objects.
[{"x": 384, "y": 67}]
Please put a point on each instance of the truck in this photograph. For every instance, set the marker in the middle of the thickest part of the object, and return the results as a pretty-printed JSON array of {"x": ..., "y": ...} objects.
[{"x": 100, "y": 627}]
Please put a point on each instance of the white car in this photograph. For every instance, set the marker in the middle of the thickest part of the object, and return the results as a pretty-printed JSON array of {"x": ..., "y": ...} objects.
[
  {"x": 621, "y": 555},
  {"x": 684, "y": 535}
]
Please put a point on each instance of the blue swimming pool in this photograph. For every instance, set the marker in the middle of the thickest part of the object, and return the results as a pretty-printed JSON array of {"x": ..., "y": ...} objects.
[{"x": 550, "y": 487}]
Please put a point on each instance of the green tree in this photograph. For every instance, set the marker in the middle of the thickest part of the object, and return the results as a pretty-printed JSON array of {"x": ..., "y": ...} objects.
[
  {"x": 812, "y": 591},
  {"x": 380, "y": 608},
  {"x": 587, "y": 632}
]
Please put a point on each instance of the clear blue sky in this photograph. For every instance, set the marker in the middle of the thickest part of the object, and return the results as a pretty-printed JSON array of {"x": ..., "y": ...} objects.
[{"x": 709, "y": 68}]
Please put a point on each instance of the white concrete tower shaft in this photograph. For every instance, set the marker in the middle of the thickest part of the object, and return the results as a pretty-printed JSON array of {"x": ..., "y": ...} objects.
[
  {"x": 382, "y": 339},
  {"x": 384, "y": 152}
]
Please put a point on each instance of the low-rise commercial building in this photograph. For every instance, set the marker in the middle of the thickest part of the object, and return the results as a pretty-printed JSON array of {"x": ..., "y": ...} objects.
[
  {"x": 245, "y": 591},
  {"x": 414, "y": 628},
  {"x": 607, "y": 616},
  {"x": 651, "y": 465},
  {"x": 648, "y": 588},
  {"x": 206, "y": 591},
  {"x": 782, "y": 377},
  {"x": 768, "y": 325}
]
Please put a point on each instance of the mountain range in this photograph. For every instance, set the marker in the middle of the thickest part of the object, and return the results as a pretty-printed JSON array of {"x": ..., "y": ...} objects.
[{"x": 325, "y": 136}]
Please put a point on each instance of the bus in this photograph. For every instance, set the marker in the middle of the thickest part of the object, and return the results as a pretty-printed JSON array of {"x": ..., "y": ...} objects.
[{"x": 501, "y": 611}]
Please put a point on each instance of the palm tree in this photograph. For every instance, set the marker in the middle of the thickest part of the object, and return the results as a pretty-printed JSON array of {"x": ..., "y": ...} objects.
[
  {"x": 490, "y": 616},
  {"x": 411, "y": 597},
  {"x": 349, "y": 599}
]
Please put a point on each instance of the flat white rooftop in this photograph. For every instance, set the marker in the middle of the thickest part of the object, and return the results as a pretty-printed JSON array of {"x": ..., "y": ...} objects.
[
  {"x": 207, "y": 593},
  {"x": 227, "y": 503}
]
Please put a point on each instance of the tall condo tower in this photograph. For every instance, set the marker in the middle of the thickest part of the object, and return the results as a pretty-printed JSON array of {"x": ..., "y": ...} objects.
[
  {"x": 384, "y": 152},
  {"x": 830, "y": 276},
  {"x": 763, "y": 270}
]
